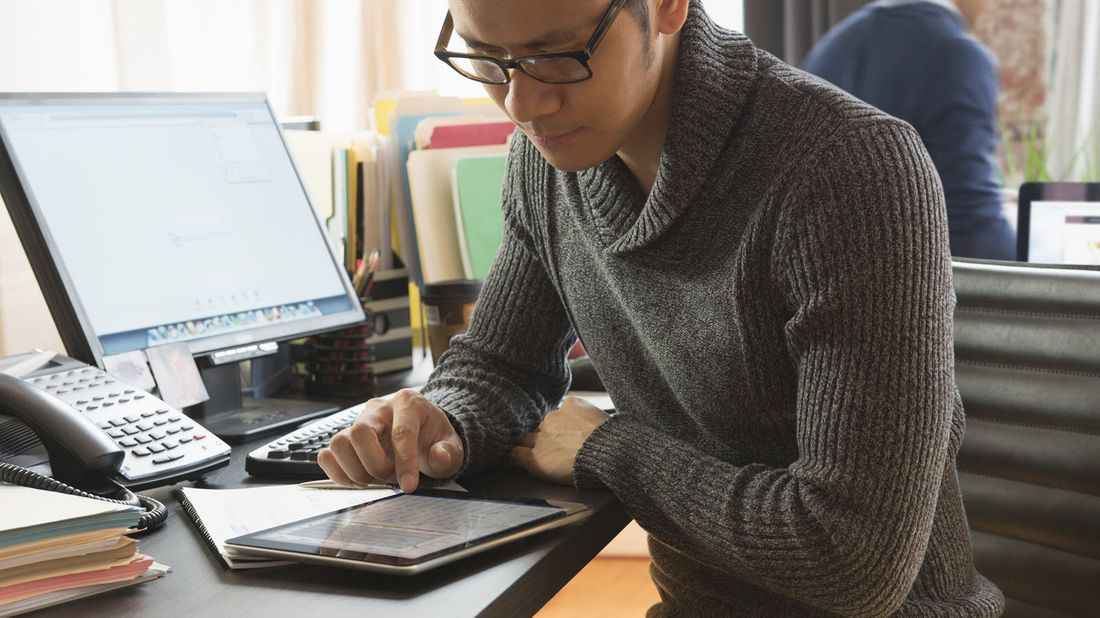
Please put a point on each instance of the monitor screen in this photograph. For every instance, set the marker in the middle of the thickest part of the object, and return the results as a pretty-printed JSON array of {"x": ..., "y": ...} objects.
[
  {"x": 1059, "y": 223},
  {"x": 174, "y": 218}
]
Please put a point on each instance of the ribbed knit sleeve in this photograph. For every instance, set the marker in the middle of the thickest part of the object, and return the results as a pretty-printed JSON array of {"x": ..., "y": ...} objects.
[
  {"x": 861, "y": 256},
  {"x": 498, "y": 380}
]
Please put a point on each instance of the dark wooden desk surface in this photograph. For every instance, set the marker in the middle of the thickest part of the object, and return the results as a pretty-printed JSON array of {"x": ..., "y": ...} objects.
[{"x": 514, "y": 580}]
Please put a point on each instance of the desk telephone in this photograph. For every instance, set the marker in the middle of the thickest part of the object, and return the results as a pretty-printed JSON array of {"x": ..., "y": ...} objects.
[{"x": 101, "y": 434}]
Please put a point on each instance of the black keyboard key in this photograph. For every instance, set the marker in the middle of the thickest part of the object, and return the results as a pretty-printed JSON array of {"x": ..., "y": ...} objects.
[
  {"x": 299, "y": 456},
  {"x": 296, "y": 446},
  {"x": 278, "y": 453}
]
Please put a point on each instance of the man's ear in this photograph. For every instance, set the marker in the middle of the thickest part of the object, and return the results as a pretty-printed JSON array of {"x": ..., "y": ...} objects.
[{"x": 669, "y": 15}]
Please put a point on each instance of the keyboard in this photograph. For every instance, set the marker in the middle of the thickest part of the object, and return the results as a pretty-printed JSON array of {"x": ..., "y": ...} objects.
[{"x": 295, "y": 454}]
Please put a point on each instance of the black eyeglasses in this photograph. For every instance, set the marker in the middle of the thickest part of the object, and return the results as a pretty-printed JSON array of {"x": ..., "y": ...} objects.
[{"x": 567, "y": 67}]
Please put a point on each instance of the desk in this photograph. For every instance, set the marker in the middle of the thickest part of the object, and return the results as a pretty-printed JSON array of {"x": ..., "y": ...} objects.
[{"x": 514, "y": 580}]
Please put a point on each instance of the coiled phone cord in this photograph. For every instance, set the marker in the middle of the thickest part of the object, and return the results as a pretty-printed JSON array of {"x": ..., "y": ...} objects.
[{"x": 155, "y": 513}]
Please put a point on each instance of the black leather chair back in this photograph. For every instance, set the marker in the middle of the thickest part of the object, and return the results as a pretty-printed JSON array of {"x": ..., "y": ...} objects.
[{"x": 1027, "y": 354}]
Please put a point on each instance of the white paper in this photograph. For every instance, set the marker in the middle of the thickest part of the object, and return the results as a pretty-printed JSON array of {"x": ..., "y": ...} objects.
[
  {"x": 26, "y": 507},
  {"x": 177, "y": 375},
  {"x": 132, "y": 368}
]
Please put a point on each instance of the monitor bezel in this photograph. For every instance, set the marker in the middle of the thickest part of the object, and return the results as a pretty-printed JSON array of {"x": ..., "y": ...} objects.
[
  {"x": 58, "y": 291},
  {"x": 1031, "y": 192}
]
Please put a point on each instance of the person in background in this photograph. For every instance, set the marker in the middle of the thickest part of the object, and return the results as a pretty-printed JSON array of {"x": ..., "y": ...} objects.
[
  {"x": 915, "y": 60},
  {"x": 758, "y": 264}
]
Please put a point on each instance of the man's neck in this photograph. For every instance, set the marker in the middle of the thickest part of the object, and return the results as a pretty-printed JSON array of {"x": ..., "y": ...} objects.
[{"x": 642, "y": 151}]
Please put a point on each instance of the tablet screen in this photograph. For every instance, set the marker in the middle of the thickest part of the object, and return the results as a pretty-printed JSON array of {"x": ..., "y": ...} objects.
[{"x": 406, "y": 528}]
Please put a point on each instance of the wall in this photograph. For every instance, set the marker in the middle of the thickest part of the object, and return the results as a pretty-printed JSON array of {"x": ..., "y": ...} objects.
[{"x": 31, "y": 36}]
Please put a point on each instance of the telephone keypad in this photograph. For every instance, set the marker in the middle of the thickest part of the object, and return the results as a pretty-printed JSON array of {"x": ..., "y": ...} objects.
[{"x": 135, "y": 421}]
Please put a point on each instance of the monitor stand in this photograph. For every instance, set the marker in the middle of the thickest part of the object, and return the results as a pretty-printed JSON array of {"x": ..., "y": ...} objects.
[{"x": 236, "y": 417}]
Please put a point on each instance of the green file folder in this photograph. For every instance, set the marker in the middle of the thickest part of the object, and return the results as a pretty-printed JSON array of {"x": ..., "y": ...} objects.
[{"x": 477, "y": 187}]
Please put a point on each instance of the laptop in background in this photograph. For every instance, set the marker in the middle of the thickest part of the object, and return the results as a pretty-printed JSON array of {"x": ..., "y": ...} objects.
[{"x": 1059, "y": 223}]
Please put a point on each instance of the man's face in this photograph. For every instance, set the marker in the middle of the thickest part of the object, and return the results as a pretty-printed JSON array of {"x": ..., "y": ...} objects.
[{"x": 574, "y": 126}]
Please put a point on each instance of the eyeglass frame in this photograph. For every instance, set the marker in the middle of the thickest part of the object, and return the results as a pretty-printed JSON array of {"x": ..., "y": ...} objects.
[{"x": 583, "y": 55}]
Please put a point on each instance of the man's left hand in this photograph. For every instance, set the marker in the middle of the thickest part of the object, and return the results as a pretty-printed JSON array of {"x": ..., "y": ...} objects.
[{"x": 548, "y": 452}]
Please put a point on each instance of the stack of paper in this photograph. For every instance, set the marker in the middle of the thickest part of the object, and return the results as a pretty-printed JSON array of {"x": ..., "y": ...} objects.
[
  {"x": 56, "y": 547},
  {"x": 342, "y": 178}
]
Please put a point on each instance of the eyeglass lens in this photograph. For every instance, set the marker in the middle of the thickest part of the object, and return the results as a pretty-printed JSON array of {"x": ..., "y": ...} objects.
[{"x": 559, "y": 70}]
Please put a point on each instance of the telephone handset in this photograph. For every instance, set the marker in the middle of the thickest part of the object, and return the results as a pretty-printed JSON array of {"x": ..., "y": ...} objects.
[
  {"x": 101, "y": 434},
  {"x": 80, "y": 453}
]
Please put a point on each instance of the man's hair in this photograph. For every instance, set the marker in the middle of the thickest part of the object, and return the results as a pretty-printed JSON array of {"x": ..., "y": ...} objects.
[{"x": 640, "y": 8}]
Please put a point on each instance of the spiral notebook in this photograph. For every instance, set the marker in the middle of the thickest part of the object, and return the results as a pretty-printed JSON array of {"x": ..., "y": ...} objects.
[{"x": 221, "y": 514}]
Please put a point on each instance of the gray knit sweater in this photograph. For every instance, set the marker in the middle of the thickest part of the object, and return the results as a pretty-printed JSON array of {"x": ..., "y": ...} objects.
[{"x": 773, "y": 323}]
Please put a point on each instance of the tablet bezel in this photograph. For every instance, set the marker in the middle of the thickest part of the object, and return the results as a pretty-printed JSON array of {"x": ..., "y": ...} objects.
[{"x": 254, "y": 544}]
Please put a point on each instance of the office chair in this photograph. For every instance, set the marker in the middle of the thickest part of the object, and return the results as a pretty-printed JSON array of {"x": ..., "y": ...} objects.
[{"x": 1027, "y": 361}]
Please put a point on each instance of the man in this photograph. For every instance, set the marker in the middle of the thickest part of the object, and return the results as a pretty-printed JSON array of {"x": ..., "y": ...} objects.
[
  {"x": 915, "y": 60},
  {"x": 758, "y": 265}
]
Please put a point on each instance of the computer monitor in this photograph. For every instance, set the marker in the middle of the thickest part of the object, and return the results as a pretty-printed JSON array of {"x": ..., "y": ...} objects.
[
  {"x": 1059, "y": 223},
  {"x": 155, "y": 219}
]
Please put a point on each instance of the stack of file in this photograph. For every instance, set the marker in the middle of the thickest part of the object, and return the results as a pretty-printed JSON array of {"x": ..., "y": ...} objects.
[
  {"x": 422, "y": 188},
  {"x": 55, "y": 548}
]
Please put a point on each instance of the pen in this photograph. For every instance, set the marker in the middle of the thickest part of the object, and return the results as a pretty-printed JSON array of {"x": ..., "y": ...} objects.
[{"x": 329, "y": 484}]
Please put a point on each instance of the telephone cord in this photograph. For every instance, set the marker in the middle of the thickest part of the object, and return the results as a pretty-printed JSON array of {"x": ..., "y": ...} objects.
[{"x": 155, "y": 513}]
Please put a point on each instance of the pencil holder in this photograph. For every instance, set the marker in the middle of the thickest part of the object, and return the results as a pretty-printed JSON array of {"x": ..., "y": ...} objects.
[{"x": 344, "y": 363}]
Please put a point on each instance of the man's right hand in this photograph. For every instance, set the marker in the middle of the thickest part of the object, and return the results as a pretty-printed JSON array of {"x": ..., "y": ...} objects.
[{"x": 393, "y": 441}]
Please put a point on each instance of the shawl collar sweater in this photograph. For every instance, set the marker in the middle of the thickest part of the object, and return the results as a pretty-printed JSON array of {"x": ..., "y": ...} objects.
[{"x": 774, "y": 324}]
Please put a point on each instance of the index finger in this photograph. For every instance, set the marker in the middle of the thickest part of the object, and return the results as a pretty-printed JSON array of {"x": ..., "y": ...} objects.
[{"x": 408, "y": 416}]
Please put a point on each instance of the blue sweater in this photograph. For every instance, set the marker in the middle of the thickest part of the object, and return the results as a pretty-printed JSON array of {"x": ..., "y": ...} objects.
[{"x": 916, "y": 61}]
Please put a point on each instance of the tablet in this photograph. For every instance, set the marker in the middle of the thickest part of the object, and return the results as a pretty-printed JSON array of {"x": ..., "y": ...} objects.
[{"x": 405, "y": 534}]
